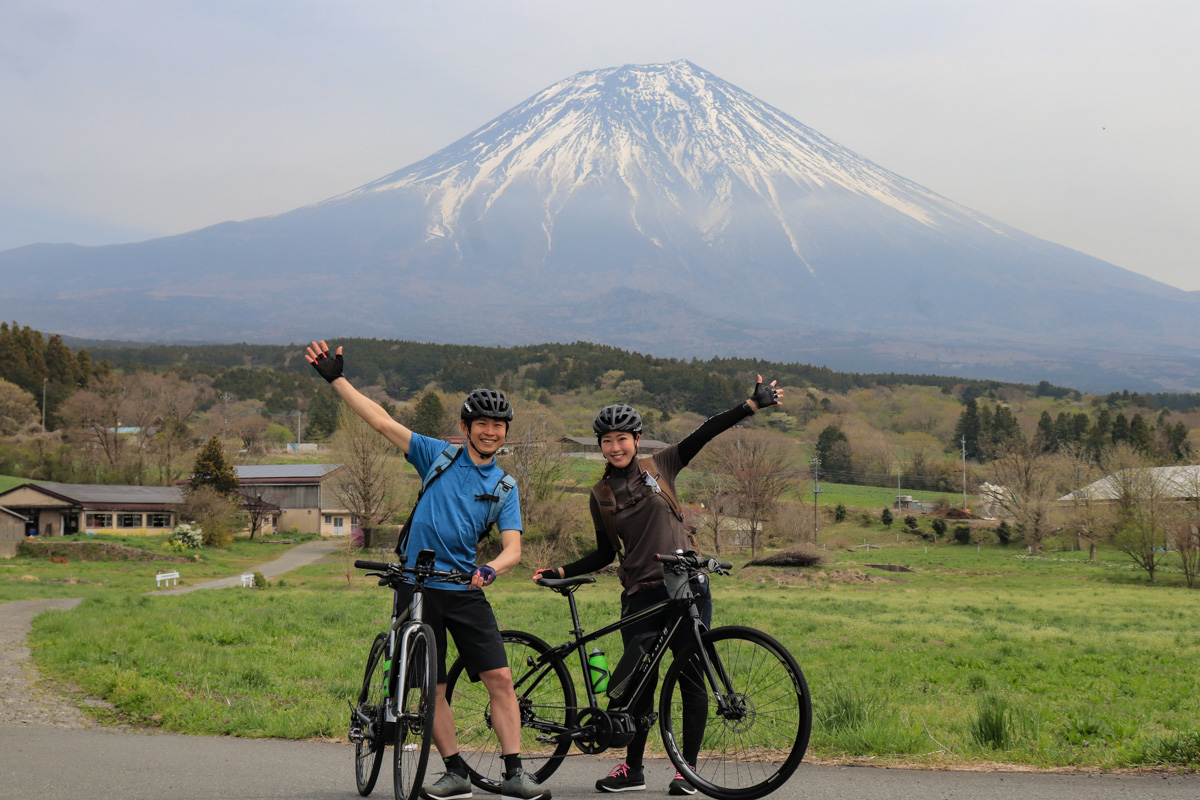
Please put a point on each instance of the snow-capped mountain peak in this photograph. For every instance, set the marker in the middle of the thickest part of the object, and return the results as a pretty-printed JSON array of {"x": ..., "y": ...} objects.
[{"x": 679, "y": 140}]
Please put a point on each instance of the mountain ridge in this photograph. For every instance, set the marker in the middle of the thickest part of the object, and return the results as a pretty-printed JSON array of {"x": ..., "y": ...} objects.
[{"x": 732, "y": 227}]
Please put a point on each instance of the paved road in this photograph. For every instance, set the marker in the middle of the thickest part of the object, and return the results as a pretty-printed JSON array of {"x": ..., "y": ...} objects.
[
  {"x": 55, "y": 764},
  {"x": 298, "y": 556}
]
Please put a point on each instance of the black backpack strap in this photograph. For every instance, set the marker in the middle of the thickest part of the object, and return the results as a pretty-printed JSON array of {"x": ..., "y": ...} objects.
[{"x": 439, "y": 465}]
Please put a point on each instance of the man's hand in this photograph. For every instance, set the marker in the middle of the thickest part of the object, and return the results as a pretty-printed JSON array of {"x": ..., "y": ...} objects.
[
  {"x": 765, "y": 395},
  {"x": 329, "y": 368},
  {"x": 482, "y": 576}
]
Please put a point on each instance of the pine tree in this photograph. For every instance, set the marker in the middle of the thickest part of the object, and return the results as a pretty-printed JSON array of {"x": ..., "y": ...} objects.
[
  {"x": 429, "y": 416},
  {"x": 967, "y": 428},
  {"x": 1046, "y": 435},
  {"x": 213, "y": 470}
]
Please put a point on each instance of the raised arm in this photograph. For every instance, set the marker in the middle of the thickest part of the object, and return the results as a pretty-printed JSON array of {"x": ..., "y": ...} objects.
[
  {"x": 330, "y": 368},
  {"x": 762, "y": 397}
]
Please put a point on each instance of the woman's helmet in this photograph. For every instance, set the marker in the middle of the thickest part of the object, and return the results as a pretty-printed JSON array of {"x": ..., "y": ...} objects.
[
  {"x": 617, "y": 417},
  {"x": 486, "y": 403}
]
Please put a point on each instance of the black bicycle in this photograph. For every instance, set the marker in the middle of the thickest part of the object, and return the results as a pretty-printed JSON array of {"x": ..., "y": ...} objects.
[
  {"x": 399, "y": 689},
  {"x": 734, "y": 697}
]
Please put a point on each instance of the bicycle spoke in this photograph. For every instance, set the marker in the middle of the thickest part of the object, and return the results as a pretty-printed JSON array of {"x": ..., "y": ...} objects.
[{"x": 756, "y": 742}]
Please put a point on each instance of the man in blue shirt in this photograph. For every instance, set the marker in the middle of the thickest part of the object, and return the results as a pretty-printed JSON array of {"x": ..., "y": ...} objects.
[{"x": 448, "y": 520}]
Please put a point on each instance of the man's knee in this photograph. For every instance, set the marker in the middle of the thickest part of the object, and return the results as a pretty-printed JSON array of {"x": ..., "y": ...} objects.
[{"x": 497, "y": 680}]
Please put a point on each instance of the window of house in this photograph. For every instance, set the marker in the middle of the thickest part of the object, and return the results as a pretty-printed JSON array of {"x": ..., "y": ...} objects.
[
  {"x": 99, "y": 520},
  {"x": 158, "y": 520},
  {"x": 129, "y": 520},
  {"x": 328, "y": 519}
]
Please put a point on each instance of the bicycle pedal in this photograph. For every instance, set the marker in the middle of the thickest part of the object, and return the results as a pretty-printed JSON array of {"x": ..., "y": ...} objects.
[{"x": 356, "y": 736}]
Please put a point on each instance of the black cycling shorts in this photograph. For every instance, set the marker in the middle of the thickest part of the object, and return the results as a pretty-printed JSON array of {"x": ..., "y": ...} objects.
[{"x": 468, "y": 616}]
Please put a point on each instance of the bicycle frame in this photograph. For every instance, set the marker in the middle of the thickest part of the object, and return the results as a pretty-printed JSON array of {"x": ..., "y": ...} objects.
[
  {"x": 405, "y": 620},
  {"x": 688, "y": 615}
]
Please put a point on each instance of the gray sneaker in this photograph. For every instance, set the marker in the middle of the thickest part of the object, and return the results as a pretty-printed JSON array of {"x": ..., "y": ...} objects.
[
  {"x": 522, "y": 786},
  {"x": 448, "y": 787}
]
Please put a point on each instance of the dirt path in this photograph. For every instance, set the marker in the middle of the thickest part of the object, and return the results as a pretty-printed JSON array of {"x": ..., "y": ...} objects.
[
  {"x": 25, "y": 699},
  {"x": 28, "y": 699}
]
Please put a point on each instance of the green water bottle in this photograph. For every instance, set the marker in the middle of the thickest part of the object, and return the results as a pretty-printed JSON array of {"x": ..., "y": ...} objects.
[{"x": 598, "y": 670}]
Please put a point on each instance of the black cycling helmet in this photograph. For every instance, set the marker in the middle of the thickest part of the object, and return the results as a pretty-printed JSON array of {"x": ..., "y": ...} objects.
[
  {"x": 617, "y": 417},
  {"x": 486, "y": 403}
]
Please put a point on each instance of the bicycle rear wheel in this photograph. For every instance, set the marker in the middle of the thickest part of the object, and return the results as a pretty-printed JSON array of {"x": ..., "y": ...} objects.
[
  {"x": 368, "y": 751},
  {"x": 755, "y": 745},
  {"x": 546, "y": 697},
  {"x": 416, "y": 697}
]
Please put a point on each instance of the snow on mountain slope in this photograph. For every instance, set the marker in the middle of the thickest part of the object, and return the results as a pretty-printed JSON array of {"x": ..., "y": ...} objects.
[{"x": 671, "y": 133}]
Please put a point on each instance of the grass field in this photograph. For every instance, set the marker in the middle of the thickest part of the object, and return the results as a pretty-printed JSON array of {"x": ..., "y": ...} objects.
[
  {"x": 9, "y": 482},
  {"x": 977, "y": 655}
]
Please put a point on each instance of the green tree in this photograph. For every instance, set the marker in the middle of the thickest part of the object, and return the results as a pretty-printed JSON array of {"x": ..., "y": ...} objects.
[
  {"x": 429, "y": 416},
  {"x": 833, "y": 448},
  {"x": 1046, "y": 436},
  {"x": 1141, "y": 438},
  {"x": 966, "y": 430},
  {"x": 213, "y": 471},
  {"x": 886, "y": 517}
]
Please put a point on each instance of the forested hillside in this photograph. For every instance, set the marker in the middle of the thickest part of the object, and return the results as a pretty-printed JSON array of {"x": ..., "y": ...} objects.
[{"x": 864, "y": 428}]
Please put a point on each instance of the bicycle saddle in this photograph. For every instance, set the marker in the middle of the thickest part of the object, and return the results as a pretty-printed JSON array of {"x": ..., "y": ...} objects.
[{"x": 558, "y": 584}]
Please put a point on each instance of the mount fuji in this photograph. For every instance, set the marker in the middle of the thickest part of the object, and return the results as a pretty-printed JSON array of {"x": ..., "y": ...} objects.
[{"x": 653, "y": 207}]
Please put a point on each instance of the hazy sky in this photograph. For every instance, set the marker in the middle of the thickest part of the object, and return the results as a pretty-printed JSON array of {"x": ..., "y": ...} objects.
[{"x": 1078, "y": 122}]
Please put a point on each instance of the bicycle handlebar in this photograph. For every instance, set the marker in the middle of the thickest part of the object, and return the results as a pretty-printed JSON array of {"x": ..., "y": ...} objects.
[
  {"x": 428, "y": 573},
  {"x": 691, "y": 560}
]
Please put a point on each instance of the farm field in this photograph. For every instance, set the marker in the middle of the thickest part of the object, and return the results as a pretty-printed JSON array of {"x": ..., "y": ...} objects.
[{"x": 978, "y": 655}]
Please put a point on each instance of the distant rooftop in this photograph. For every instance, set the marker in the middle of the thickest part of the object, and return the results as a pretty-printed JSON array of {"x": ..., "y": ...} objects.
[
  {"x": 288, "y": 472},
  {"x": 88, "y": 493}
]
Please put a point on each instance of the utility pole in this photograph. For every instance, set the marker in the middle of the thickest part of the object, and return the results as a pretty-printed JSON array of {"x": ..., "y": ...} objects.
[
  {"x": 816, "y": 462},
  {"x": 964, "y": 459},
  {"x": 44, "y": 382}
]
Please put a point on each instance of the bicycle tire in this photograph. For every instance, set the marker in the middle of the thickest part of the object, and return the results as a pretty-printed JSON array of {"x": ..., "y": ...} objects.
[
  {"x": 546, "y": 696},
  {"x": 756, "y": 748},
  {"x": 368, "y": 753},
  {"x": 416, "y": 699}
]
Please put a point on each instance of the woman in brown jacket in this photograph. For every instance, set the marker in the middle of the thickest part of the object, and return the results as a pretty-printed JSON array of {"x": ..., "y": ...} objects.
[{"x": 646, "y": 524}]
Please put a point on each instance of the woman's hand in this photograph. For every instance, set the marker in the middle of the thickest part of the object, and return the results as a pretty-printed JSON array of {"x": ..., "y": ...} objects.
[
  {"x": 547, "y": 572},
  {"x": 765, "y": 395}
]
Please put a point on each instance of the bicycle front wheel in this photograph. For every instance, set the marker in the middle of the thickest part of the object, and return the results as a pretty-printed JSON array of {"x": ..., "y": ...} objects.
[
  {"x": 368, "y": 719},
  {"x": 545, "y": 696},
  {"x": 416, "y": 698},
  {"x": 753, "y": 745}
]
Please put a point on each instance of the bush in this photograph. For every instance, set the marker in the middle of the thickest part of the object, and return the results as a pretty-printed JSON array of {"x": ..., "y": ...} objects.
[
  {"x": 800, "y": 555},
  {"x": 260, "y": 580},
  {"x": 217, "y": 533},
  {"x": 356, "y": 537},
  {"x": 911, "y": 522},
  {"x": 1004, "y": 533},
  {"x": 886, "y": 517},
  {"x": 187, "y": 536},
  {"x": 939, "y": 526},
  {"x": 839, "y": 513},
  {"x": 962, "y": 534}
]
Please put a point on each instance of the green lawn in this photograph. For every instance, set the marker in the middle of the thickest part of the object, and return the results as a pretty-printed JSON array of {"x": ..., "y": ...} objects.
[
  {"x": 983, "y": 654},
  {"x": 9, "y": 482}
]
